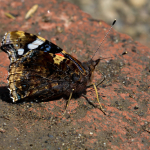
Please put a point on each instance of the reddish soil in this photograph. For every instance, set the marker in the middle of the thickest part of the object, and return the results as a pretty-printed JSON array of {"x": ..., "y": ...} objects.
[{"x": 125, "y": 94}]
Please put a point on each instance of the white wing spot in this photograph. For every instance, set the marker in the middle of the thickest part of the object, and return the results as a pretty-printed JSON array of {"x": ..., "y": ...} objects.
[
  {"x": 35, "y": 44},
  {"x": 20, "y": 51}
]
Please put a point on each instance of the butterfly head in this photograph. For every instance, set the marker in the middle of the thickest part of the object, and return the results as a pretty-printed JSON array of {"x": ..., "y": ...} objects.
[{"x": 90, "y": 67}]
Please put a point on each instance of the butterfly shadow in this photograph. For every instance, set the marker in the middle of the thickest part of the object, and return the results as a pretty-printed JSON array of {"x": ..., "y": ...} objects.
[
  {"x": 89, "y": 101},
  {"x": 4, "y": 94}
]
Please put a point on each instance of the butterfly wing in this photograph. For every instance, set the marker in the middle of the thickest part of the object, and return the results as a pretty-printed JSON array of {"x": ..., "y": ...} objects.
[
  {"x": 39, "y": 69},
  {"x": 36, "y": 77}
]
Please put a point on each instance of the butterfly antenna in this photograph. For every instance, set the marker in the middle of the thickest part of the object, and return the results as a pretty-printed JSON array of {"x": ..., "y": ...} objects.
[{"x": 104, "y": 38}]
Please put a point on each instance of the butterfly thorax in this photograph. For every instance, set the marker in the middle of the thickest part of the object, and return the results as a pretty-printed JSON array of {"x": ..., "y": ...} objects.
[{"x": 80, "y": 81}]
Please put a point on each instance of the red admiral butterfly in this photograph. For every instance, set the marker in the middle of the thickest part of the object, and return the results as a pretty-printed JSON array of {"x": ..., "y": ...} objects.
[{"x": 41, "y": 70}]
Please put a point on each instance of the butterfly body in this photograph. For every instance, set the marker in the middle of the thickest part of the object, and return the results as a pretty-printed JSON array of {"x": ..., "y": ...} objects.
[{"x": 41, "y": 70}]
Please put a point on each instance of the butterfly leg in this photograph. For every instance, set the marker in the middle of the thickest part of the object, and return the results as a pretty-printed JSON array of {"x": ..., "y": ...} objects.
[
  {"x": 104, "y": 77},
  {"x": 68, "y": 101},
  {"x": 98, "y": 99}
]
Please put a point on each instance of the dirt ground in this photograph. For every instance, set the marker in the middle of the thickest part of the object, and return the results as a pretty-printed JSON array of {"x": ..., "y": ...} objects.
[{"x": 124, "y": 95}]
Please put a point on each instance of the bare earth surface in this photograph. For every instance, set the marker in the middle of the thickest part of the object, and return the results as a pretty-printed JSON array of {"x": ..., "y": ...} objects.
[{"x": 125, "y": 94}]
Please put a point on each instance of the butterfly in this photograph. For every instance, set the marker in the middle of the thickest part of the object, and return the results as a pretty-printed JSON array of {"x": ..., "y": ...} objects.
[{"x": 40, "y": 70}]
